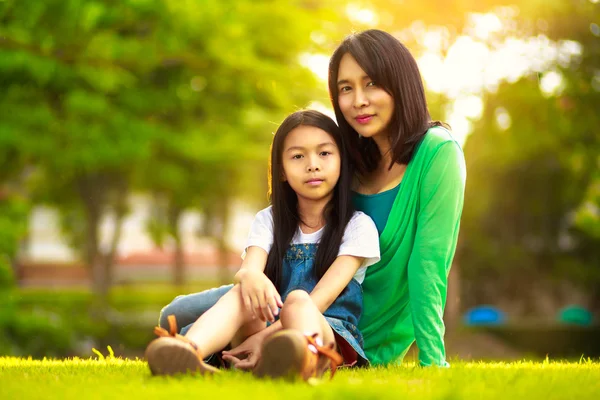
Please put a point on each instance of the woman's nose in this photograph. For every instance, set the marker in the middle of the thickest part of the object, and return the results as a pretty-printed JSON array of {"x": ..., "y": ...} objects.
[{"x": 360, "y": 100}]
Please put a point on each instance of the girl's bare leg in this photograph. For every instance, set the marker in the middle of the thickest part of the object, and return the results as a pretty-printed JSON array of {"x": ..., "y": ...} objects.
[
  {"x": 227, "y": 320},
  {"x": 287, "y": 353},
  {"x": 300, "y": 312}
]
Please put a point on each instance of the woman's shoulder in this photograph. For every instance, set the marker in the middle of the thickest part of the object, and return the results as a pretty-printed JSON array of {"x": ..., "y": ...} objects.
[
  {"x": 434, "y": 139},
  {"x": 437, "y": 136}
]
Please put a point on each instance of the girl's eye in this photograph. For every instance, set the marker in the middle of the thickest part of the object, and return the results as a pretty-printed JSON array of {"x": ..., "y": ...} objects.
[
  {"x": 345, "y": 89},
  {"x": 297, "y": 156},
  {"x": 325, "y": 153},
  {"x": 371, "y": 84}
]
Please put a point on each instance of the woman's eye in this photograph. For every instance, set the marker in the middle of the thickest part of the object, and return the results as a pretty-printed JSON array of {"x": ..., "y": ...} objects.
[
  {"x": 371, "y": 84},
  {"x": 325, "y": 153},
  {"x": 345, "y": 89}
]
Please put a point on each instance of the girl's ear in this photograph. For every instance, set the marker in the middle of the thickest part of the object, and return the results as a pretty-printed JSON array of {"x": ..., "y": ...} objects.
[{"x": 283, "y": 177}]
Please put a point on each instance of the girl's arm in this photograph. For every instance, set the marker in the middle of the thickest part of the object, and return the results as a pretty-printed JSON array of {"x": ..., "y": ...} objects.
[
  {"x": 258, "y": 292},
  {"x": 328, "y": 288},
  {"x": 441, "y": 198},
  {"x": 360, "y": 246},
  {"x": 255, "y": 260},
  {"x": 336, "y": 278},
  {"x": 324, "y": 294}
]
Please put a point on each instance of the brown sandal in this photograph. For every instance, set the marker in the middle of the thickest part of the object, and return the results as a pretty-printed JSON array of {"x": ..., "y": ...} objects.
[
  {"x": 173, "y": 353},
  {"x": 289, "y": 354}
]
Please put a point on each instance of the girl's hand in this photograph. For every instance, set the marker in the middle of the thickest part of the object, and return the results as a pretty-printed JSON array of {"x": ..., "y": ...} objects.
[
  {"x": 259, "y": 294},
  {"x": 251, "y": 348}
]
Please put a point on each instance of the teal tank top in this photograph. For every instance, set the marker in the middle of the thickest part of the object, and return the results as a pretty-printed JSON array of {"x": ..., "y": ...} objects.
[{"x": 377, "y": 206}]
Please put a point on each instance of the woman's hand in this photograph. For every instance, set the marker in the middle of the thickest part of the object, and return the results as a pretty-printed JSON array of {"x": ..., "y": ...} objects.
[
  {"x": 259, "y": 294},
  {"x": 246, "y": 355}
]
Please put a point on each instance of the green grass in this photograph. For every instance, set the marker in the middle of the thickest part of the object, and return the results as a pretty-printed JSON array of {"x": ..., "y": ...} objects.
[{"x": 122, "y": 378}]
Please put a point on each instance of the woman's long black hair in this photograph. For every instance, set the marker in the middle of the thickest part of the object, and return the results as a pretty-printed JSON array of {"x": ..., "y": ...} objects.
[
  {"x": 389, "y": 63},
  {"x": 284, "y": 200}
]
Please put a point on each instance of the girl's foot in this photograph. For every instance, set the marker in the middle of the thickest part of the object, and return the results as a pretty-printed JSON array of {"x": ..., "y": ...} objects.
[
  {"x": 290, "y": 354},
  {"x": 173, "y": 354}
]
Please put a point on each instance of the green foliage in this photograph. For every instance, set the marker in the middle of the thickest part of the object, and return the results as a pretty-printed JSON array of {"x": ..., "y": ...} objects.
[
  {"x": 532, "y": 200},
  {"x": 7, "y": 278},
  {"x": 13, "y": 220},
  {"x": 40, "y": 323},
  {"x": 175, "y": 98}
]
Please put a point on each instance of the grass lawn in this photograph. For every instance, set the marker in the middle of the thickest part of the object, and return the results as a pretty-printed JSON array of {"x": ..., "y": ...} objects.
[{"x": 121, "y": 378}]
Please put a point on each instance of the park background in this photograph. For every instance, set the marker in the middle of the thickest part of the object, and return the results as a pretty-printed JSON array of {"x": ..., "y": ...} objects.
[{"x": 134, "y": 138}]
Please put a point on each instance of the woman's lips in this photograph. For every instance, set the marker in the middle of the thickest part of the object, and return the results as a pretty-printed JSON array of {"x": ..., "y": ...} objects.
[{"x": 364, "y": 119}]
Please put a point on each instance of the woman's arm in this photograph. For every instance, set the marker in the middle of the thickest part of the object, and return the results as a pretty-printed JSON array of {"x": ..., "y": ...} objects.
[{"x": 441, "y": 202}]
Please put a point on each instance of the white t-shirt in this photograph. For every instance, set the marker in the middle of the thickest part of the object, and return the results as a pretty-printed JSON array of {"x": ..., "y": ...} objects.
[{"x": 360, "y": 239}]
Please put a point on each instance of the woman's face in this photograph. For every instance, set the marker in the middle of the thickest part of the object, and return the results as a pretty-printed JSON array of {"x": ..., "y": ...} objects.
[{"x": 366, "y": 106}]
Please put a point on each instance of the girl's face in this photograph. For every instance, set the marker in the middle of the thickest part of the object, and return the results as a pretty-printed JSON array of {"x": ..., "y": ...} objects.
[
  {"x": 311, "y": 163},
  {"x": 366, "y": 106}
]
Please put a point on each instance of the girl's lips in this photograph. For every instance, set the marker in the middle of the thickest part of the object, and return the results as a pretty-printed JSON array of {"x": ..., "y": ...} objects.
[
  {"x": 364, "y": 119},
  {"x": 314, "y": 182}
]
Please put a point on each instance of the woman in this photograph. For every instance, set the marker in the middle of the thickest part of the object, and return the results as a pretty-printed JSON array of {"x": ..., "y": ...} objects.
[{"x": 410, "y": 180}]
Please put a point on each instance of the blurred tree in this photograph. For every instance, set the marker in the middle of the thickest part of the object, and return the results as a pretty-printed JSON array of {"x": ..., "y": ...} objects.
[
  {"x": 533, "y": 160},
  {"x": 222, "y": 112},
  {"x": 532, "y": 208},
  {"x": 154, "y": 95},
  {"x": 13, "y": 225}
]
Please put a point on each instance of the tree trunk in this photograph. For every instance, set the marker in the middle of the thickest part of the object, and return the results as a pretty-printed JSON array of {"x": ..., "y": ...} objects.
[
  {"x": 453, "y": 306},
  {"x": 109, "y": 257},
  {"x": 452, "y": 314},
  {"x": 97, "y": 264},
  {"x": 90, "y": 191},
  {"x": 178, "y": 257},
  {"x": 223, "y": 210}
]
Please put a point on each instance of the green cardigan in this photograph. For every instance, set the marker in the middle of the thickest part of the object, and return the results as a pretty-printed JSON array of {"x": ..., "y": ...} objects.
[{"x": 405, "y": 293}]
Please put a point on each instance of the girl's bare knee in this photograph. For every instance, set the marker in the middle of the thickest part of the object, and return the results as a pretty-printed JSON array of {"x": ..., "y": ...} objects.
[
  {"x": 297, "y": 296},
  {"x": 295, "y": 302}
]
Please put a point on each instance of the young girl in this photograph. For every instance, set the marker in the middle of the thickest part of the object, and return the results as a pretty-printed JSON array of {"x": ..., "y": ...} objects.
[{"x": 306, "y": 257}]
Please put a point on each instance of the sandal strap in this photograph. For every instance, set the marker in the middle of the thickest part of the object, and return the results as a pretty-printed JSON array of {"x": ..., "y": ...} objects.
[
  {"x": 172, "y": 332},
  {"x": 335, "y": 358},
  {"x": 162, "y": 332}
]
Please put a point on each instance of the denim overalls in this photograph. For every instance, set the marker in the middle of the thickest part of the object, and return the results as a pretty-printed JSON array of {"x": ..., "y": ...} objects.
[{"x": 343, "y": 315}]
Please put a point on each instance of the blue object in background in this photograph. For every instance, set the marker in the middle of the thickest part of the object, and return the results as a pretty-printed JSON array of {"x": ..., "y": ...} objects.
[
  {"x": 484, "y": 315},
  {"x": 575, "y": 315}
]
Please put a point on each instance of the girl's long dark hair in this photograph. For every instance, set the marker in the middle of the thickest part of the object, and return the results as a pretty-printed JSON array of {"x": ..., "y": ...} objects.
[
  {"x": 284, "y": 200},
  {"x": 389, "y": 63}
]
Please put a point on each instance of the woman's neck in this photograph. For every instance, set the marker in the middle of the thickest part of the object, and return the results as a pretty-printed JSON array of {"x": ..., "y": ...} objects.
[
  {"x": 385, "y": 149},
  {"x": 383, "y": 177},
  {"x": 311, "y": 214}
]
